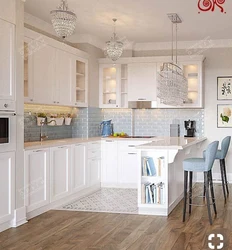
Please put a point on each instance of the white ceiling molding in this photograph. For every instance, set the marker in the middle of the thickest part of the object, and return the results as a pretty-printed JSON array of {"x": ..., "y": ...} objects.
[
  {"x": 47, "y": 27},
  {"x": 205, "y": 43}
]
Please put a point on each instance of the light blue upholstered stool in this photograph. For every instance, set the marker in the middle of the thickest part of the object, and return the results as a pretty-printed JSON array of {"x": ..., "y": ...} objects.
[
  {"x": 221, "y": 156},
  {"x": 200, "y": 165}
]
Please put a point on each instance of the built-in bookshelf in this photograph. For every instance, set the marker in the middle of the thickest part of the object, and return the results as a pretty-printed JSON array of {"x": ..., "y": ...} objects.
[{"x": 152, "y": 190}]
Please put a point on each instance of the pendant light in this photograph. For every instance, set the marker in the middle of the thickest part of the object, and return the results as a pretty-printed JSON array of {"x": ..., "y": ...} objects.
[{"x": 172, "y": 84}]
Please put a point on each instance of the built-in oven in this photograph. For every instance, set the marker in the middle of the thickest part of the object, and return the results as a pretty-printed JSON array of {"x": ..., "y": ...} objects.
[{"x": 7, "y": 131}]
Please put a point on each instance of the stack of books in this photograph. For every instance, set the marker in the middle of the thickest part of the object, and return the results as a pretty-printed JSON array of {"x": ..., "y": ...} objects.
[
  {"x": 151, "y": 168},
  {"x": 152, "y": 193}
]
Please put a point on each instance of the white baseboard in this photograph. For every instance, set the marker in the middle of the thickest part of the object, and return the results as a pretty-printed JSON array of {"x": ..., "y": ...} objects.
[
  {"x": 19, "y": 217},
  {"x": 5, "y": 226},
  {"x": 118, "y": 185},
  {"x": 216, "y": 177}
]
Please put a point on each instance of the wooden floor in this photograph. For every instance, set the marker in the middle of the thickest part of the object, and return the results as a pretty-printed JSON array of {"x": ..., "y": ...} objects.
[{"x": 85, "y": 230}]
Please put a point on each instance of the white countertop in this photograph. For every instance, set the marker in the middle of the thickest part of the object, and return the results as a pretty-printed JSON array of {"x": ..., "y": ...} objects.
[
  {"x": 172, "y": 143},
  {"x": 155, "y": 142}
]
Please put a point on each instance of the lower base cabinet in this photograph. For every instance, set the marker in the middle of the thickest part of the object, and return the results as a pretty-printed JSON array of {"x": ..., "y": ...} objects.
[
  {"x": 37, "y": 179},
  {"x": 79, "y": 167},
  {"x": 94, "y": 166},
  {"x": 7, "y": 186},
  {"x": 60, "y": 172}
]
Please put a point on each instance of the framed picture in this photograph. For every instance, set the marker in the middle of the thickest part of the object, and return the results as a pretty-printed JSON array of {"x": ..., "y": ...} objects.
[
  {"x": 224, "y": 118},
  {"x": 224, "y": 88}
]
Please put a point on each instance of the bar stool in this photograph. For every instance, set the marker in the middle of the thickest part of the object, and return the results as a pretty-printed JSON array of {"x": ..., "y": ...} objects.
[{"x": 200, "y": 165}]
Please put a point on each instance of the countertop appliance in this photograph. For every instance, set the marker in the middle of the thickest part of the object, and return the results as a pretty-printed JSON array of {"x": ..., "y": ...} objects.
[
  {"x": 106, "y": 128},
  {"x": 190, "y": 127}
]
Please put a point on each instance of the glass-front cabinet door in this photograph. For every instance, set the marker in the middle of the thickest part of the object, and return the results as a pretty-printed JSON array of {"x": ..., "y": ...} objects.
[
  {"x": 193, "y": 72},
  {"x": 28, "y": 86},
  {"x": 81, "y": 87},
  {"x": 110, "y": 86}
]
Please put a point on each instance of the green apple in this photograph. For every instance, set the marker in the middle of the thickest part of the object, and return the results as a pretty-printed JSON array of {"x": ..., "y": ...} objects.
[
  {"x": 122, "y": 134},
  {"x": 115, "y": 134}
]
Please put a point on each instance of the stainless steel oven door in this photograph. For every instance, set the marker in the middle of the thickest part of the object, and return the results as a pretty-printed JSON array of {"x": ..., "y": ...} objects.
[{"x": 7, "y": 132}]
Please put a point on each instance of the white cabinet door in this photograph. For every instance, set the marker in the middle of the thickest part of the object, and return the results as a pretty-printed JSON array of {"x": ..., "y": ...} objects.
[
  {"x": 44, "y": 61},
  {"x": 79, "y": 170},
  {"x": 110, "y": 162},
  {"x": 65, "y": 78},
  {"x": 7, "y": 186},
  {"x": 94, "y": 166},
  {"x": 128, "y": 168},
  {"x": 37, "y": 179},
  {"x": 7, "y": 45},
  {"x": 60, "y": 172},
  {"x": 142, "y": 82}
]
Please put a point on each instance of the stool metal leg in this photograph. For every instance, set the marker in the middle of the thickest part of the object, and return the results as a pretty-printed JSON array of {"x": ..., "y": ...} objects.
[
  {"x": 212, "y": 191},
  {"x": 225, "y": 176},
  {"x": 190, "y": 190},
  {"x": 185, "y": 193},
  {"x": 206, "y": 183},
  {"x": 223, "y": 179}
]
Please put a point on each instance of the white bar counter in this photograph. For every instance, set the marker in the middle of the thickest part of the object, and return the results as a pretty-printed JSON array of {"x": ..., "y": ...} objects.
[{"x": 167, "y": 153}]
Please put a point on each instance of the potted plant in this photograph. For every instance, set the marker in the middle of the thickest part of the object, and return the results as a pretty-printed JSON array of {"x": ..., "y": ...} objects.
[
  {"x": 59, "y": 120},
  {"x": 41, "y": 117},
  {"x": 67, "y": 119}
]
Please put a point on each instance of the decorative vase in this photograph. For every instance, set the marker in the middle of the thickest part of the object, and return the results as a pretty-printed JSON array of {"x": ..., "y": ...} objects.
[
  {"x": 68, "y": 121},
  {"x": 59, "y": 121}
]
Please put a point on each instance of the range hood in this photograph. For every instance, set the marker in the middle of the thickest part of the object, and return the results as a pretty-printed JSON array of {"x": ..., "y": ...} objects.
[{"x": 142, "y": 104}]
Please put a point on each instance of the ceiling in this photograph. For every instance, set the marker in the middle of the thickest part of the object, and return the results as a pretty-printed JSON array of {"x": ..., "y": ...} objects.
[{"x": 141, "y": 21}]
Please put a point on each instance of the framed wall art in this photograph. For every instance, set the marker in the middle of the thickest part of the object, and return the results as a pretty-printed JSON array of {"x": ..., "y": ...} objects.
[
  {"x": 224, "y": 118},
  {"x": 224, "y": 88}
]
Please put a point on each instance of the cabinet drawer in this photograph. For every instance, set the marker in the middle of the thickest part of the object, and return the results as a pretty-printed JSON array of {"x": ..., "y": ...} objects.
[
  {"x": 130, "y": 145},
  {"x": 6, "y": 105},
  {"x": 94, "y": 153},
  {"x": 94, "y": 145}
]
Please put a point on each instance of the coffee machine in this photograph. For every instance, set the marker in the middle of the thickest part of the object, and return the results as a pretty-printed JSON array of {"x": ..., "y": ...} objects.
[{"x": 190, "y": 127}]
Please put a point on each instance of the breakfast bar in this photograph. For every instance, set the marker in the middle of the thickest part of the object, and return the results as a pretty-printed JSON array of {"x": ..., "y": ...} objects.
[{"x": 160, "y": 182}]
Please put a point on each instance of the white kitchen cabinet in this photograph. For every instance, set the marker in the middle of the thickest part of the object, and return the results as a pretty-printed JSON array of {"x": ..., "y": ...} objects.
[
  {"x": 109, "y": 175},
  {"x": 43, "y": 73},
  {"x": 65, "y": 78},
  {"x": 94, "y": 163},
  {"x": 142, "y": 82},
  {"x": 7, "y": 58},
  {"x": 127, "y": 168},
  {"x": 79, "y": 167},
  {"x": 37, "y": 179},
  {"x": 80, "y": 91},
  {"x": 7, "y": 186},
  {"x": 60, "y": 172},
  {"x": 113, "y": 86}
]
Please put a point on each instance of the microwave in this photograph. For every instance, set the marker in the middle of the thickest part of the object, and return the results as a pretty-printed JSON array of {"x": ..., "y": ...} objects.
[{"x": 7, "y": 132}]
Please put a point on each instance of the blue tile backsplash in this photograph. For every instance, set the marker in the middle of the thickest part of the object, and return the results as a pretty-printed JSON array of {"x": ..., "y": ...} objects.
[{"x": 87, "y": 122}]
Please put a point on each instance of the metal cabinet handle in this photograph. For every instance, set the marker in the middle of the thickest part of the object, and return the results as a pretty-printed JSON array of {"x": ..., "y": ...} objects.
[
  {"x": 36, "y": 151},
  {"x": 131, "y": 146},
  {"x": 62, "y": 147},
  {"x": 109, "y": 141},
  {"x": 31, "y": 100},
  {"x": 6, "y": 105},
  {"x": 54, "y": 102},
  {"x": 142, "y": 99},
  {"x": 132, "y": 153}
]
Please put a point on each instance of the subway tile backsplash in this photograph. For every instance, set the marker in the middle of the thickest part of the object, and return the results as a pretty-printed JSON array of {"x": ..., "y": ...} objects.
[{"x": 87, "y": 121}]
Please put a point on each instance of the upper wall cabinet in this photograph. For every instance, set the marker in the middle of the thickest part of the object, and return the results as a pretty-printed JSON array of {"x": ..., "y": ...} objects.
[
  {"x": 7, "y": 45},
  {"x": 53, "y": 72},
  {"x": 113, "y": 86},
  {"x": 8, "y": 11},
  {"x": 142, "y": 82},
  {"x": 134, "y": 79}
]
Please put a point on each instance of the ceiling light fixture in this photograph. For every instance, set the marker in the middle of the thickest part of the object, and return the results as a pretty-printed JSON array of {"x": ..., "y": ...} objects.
[
  {"x": 114, "y": 47},
  {"x": 172, "y": 84},
  {"x": 63, "y": 20}
]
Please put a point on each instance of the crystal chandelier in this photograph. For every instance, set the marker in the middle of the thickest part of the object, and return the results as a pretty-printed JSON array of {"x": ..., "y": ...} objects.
[
  {"x": 172, "y": 84},
  {"x": 114, "y": 47},
  {"x": 63, "y": 20}
]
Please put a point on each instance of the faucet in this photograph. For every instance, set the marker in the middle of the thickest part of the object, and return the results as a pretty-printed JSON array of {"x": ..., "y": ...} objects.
[{"x": 44, "y": 137}]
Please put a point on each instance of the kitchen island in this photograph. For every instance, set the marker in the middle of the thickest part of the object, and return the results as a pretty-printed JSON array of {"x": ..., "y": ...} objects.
[{"x": 160, "y": 182}]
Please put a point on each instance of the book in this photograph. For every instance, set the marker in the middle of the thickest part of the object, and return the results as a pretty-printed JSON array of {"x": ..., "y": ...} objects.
[
  {"x": 144, "y": 166},
  {"x": 143, "y": 194},
  {"x": 151, "y": 166}
]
